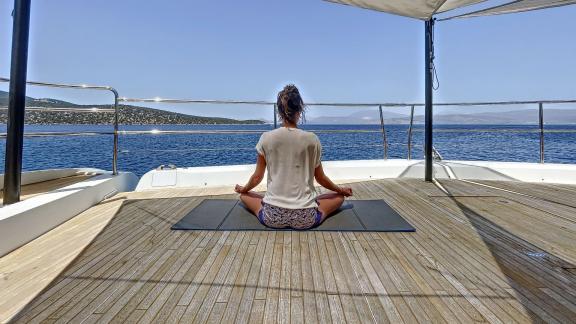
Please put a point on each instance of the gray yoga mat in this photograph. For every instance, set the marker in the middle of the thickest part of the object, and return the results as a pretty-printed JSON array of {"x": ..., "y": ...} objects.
[{"x": 354, "y": 215}]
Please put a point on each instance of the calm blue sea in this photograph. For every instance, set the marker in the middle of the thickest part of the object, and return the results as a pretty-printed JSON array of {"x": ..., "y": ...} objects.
[{"x": 141, "y": 153}]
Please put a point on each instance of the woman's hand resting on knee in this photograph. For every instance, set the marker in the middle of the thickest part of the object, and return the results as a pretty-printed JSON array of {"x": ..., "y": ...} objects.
[
  {"x": 240, "y": 189},
  {"x": 345, "y": 191}
]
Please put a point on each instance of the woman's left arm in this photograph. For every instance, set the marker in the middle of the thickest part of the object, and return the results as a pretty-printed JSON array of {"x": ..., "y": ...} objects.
[{"x": 256, "y": 177}]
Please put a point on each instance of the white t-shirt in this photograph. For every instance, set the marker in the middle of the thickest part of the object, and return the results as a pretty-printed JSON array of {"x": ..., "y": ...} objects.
[{"x": 291, "y": 156}]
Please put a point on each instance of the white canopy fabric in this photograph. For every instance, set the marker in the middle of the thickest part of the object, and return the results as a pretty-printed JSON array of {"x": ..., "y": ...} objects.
[
  {"x": 425, "y": 9},
  {"x": 516, "y": 6},
  {"x": 419, "y": 9}
]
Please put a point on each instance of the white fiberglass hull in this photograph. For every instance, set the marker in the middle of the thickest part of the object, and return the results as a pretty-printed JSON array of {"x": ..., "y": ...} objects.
[
  {"x": 361, "y": 170},
  {"x": 26, "y": 220}
]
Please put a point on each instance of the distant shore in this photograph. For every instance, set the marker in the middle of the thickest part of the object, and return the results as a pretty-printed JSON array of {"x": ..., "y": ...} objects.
[{"x": 418, "y": 125}]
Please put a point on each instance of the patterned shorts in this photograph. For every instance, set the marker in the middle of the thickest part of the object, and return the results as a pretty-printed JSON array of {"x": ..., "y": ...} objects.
[{"x": 299, "y": 219}]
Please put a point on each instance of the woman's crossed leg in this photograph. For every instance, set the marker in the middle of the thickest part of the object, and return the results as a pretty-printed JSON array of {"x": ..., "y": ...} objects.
[
  {"x": 252, "y": 201},
  {"x": 328, "y": 203}
]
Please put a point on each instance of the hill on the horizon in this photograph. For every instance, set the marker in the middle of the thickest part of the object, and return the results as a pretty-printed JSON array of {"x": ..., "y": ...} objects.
[
  {"x": 129, "y": 114},
  {"x": 514, "y": 117},
  {"x": 358, "y": 118}
]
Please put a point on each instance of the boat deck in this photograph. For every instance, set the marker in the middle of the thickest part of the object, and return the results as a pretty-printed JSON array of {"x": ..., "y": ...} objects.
[
  {"x": 483, "y": 252},
  {"x": 34, "y": 189}
]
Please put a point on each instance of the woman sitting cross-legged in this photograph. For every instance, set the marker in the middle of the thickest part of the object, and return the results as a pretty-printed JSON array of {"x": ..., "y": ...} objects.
[{"x": 293, "y": 160}]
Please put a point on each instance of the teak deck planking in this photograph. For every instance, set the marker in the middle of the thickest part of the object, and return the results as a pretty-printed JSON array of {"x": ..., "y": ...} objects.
[{"x": 480, "y": 254}]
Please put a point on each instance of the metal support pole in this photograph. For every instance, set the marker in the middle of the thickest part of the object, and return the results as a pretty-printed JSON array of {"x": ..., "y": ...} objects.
[
  {"x": 383, "y": 129},
  {"x": 541, "y": 122},
  {"x": 16, "y": 102},
  {"x": 115, "y": 152},
  {"x": 428, "y": 141},
  {"x": 410, "y": 133},
  {"x": 275, "y": 116}
]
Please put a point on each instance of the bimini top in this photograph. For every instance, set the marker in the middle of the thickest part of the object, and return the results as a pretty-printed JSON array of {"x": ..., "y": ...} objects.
[
  {"x": 425, "y": 9},
  {"x": 517, "y": 6}
]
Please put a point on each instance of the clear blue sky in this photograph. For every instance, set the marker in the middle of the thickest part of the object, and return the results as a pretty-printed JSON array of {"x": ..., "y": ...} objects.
[{"x": 249, "y": 49}]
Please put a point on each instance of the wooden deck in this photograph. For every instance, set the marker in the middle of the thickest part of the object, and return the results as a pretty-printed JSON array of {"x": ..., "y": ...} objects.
[
  {"x": 34, "y": 189},
  {"x": 481, "y": 253}
]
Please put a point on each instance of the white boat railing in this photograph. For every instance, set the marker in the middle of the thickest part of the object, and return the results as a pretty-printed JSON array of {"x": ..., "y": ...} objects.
[{"x": 117, "y": 100}]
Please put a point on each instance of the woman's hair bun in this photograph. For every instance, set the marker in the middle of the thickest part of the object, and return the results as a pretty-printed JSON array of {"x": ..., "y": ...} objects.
[{"x": 290, "y": 103}]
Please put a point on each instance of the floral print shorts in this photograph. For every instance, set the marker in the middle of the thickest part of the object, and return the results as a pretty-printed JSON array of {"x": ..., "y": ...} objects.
[{"x": 299, "y": 219}]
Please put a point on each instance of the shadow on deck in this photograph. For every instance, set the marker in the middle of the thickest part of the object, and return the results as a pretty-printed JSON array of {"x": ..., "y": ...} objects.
[
  {"x": 478, "y": 255},
  {"x": 541, "y": 281}
]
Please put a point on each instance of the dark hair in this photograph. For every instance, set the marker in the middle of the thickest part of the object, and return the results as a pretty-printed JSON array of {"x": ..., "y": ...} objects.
[{"x": 290, "y": 104}]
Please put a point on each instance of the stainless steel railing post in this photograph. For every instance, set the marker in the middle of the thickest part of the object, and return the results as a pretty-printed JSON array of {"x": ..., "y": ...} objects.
[
  {"x": 89, "y": 87},
  {"x": 275, "y": 116},
  {"x": 383, "y": 129},
  {"x": 541, "y": 122},
  {"x": 410, "y": 133},
  {"x": 115, "y": 148}
]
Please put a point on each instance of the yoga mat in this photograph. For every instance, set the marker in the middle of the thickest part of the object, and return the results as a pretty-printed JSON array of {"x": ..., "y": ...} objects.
[{"x": 354, "y": 215}]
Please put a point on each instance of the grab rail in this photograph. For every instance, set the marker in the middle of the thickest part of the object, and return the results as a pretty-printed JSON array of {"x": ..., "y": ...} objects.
[{"x": 436, "y": 155}]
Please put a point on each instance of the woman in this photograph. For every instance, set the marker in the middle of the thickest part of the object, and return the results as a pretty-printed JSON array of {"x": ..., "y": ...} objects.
[{"x": 292, "y": 157}]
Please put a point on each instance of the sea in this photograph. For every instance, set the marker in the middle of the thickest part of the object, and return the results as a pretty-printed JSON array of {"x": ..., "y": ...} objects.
[{"x": 140, "y": 153}]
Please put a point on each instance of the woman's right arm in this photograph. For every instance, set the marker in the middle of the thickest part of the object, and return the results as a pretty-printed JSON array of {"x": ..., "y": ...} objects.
[{"x": 325, "y": 182}]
